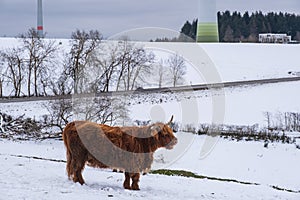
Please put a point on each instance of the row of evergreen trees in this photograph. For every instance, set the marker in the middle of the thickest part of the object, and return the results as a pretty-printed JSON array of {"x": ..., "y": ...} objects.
[{"x": 236, "y": 27}]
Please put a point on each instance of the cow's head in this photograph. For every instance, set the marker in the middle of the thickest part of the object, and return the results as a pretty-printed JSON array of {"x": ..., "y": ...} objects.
[{"x": 164, "y": 135}]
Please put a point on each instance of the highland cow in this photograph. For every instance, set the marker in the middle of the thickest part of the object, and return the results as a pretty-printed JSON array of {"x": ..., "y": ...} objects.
[{"x": 129, "y": 149}]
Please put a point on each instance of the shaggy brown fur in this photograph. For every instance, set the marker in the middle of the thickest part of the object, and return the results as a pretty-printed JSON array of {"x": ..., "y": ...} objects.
[{"x": 127, "y": 148}]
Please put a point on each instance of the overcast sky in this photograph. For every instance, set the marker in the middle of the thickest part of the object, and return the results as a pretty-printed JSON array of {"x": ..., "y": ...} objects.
[{"x": 62, "y": 17}]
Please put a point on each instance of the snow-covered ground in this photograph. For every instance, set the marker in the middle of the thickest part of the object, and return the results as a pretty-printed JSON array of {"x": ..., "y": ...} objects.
[
  {"x": 232, "y": 61},
  {"x": 254, "y": 61},
  {"x": 29, "y": 178}
]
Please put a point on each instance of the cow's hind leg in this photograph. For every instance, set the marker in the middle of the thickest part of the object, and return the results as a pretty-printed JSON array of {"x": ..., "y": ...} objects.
[
  {"x": 135, "y": 181},
  {"x": 78, "y": 166},
  {"x": 126, "y": 183}
]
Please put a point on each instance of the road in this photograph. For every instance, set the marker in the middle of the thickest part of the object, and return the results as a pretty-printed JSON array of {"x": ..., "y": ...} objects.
[{"x": 161, "y": 90}]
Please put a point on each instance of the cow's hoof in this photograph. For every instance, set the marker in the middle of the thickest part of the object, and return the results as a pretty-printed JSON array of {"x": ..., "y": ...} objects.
[
  {"x": 135, "y": 187},
  {"x": 81, "y": 182},
  {"x": 127, "y": 186}
]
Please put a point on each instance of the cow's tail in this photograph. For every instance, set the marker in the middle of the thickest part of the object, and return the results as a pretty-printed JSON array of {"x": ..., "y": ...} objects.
[{"x": 65, "y": 136}]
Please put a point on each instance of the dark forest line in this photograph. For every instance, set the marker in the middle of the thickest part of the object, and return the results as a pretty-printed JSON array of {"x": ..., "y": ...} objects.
[{"x": 237, "y": 27}]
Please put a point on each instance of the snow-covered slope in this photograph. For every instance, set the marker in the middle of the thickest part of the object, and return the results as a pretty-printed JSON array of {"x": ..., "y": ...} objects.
[
  {"x": 241, "y": 61},
  {"x": 31, "y": 178}
]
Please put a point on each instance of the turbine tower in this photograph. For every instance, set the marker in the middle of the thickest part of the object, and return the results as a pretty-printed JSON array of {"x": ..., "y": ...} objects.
[
  {"x": 40, "y": 28},
  {"x": 207, "y": 28}
]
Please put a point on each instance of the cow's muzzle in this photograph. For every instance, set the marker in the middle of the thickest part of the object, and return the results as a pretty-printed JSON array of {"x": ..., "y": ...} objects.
[{"x": 172, "y": 144}]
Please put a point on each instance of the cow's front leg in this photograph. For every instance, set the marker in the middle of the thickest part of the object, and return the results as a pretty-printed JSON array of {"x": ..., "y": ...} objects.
[
  {"x": 135, "y": 181},
  {"x": 126, "y": 183}
]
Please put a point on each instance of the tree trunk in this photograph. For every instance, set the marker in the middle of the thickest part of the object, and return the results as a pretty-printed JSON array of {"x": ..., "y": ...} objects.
[
  {"x": 1, "y": 88},
  {"x": 29, "y": 83},
  {"x": 35, "y": 81}
]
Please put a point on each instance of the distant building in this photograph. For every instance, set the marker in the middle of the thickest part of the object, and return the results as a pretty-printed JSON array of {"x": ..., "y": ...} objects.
[{"x": 274, "y": 38}]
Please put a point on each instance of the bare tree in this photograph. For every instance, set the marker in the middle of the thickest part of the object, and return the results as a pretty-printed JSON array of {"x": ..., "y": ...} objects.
[
  {"x": 101, "y": 109},
  {"x": 62, "y": 85},
  {"x": 124, "y": 47},
  {"x": 1, "y": 85},
  {"x": 160, "y": 73},
  {"x": 177, "y": 68},
  {"x": 107, "y": 60},
  {"x": 46, "y": 64},
  {"x": 268, "y": 119},
  {"x": 104, "y": 110},
  {"x": 14, "y": 63},
  {"x": 31, "y": 45},
  {"x": 38, "y": 53},
  {"x": 83, "y": 45},
  {"x": 1, "y": 78},
  {"x": 118, "y": 65},
  {"x": 60, "y": 113},
  {"x": 295, "y": 121},
  {"x": 289, "y": 121},
  {"x": 279, "y": 120},
  {"x": 139, "y": 67},
  {"x": 135, "y": 63}
]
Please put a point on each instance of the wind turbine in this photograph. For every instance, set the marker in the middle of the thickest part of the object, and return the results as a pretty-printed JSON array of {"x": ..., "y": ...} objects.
[
  {"x": 40, "y": 27},
  {"x": 207, "y": 28}
]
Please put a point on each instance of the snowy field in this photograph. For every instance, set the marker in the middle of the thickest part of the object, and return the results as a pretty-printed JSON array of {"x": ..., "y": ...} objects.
[
  {"x": 272, "y": 173},
  {"x": 276, "y": 166},
  {"x": 254, "y": 61}
]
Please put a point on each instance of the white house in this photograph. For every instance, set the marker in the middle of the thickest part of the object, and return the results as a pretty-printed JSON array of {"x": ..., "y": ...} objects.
[{"x": 274, "y": 38}]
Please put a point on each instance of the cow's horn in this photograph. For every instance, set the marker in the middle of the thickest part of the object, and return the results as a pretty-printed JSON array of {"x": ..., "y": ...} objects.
[{"x": 169, "y": 123}]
